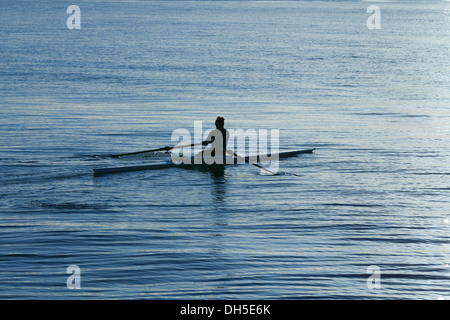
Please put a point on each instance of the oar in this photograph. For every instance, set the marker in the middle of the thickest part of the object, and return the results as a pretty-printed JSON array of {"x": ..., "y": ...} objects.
[
  {"x": 251, "y": 162},
  {"x": 154, "y": 150}
]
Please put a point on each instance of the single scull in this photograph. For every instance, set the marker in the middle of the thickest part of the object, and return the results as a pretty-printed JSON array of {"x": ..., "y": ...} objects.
[{"x": 171, "y": 164}]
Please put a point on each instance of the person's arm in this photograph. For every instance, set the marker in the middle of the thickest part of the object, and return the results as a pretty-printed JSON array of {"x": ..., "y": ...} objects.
[{"x": 210, "y": 138}]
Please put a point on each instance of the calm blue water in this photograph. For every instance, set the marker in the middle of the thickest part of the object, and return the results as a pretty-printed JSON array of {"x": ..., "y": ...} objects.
[{"x": 374, "y": 103}]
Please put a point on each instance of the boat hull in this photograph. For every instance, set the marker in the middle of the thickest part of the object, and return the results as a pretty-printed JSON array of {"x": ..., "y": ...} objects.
[{"x": 170, "y": 164}]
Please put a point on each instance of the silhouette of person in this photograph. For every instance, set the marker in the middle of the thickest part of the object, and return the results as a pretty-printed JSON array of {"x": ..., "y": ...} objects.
[{"x": 218, "y": 138}]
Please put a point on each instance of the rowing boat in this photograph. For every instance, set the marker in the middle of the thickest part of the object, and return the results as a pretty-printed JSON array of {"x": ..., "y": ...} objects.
[{"x": 171, "y": 164}]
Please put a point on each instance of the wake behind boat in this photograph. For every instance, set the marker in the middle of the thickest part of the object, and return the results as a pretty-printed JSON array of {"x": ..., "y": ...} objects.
[{"x": 171, "y": 164}]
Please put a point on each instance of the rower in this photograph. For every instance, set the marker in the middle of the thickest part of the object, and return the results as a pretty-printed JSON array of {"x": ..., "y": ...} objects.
[{"x": 218, "y": 138}]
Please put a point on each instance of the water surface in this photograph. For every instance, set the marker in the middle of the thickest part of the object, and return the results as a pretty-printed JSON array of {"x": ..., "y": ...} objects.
[{"x": 374, "y": 104}]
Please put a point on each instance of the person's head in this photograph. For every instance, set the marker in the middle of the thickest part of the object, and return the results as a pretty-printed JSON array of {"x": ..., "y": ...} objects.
[{"x": 220, "y": 122}]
